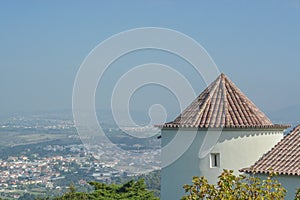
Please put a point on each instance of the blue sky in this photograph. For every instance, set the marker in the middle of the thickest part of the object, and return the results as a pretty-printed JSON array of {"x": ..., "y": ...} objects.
[{"x": 43, "y": 43}]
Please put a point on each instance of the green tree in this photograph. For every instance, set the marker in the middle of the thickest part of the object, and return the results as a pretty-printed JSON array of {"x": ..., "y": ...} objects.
[
  {"x": 231, "y": 187},
  {"x": 27, "y": 196},
  {"x": 152, "y": 181},
  {"x": 73, "y": 195},
  {"x": 132, "y": 190}
]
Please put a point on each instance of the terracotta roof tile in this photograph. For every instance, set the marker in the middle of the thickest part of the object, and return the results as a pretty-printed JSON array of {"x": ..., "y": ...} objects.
[
  {"x": 221, "y": 105},
  {"x": 283, "y": 158}
]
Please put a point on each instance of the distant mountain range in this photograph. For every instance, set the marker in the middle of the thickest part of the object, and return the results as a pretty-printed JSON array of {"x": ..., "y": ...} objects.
[{"x": 288, "y": 115}]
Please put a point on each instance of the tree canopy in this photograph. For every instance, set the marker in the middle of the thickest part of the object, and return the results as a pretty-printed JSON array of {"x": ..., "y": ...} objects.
[
  {"x": 132, "y": 190},
  {"x": 233, "y": 187}
]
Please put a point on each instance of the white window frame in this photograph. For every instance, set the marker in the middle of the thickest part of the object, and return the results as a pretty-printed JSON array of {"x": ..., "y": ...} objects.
[{"x": 215, "y": 160}]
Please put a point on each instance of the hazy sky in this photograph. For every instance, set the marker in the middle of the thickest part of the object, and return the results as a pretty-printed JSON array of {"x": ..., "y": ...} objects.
[{"x": 43, "y": 43}]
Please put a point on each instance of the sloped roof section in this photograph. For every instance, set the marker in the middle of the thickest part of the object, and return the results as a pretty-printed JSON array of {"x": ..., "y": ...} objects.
[
  {"x": 221, "y": 105},
  {"x": 283, "y": 159}
]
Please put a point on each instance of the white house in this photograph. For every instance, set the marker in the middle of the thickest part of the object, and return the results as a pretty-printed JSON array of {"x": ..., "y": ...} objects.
[
  {"x": 225, "y": 130},
  {"x": 283, "y": 159}
]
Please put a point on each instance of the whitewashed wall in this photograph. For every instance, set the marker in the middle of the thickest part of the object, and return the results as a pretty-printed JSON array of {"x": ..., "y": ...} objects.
[{"x": 237, "y": 148}]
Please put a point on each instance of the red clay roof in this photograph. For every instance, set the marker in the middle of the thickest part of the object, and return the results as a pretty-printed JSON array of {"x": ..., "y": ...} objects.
[
  {"x": 222, "y": 105},
  {"x": 283, "y": 158}
]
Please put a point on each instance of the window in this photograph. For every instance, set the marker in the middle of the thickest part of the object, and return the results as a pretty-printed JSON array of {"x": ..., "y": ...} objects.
[{"x": 214, "y": 160}]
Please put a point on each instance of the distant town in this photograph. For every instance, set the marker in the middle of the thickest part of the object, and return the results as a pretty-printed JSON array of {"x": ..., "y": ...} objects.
[{"x": 43, "y": 155}]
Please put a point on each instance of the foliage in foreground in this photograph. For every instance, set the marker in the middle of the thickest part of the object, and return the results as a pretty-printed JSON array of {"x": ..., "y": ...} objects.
[
  {"x": 132, "y": 190},
  {"x": 233, "y": 187},
  {"x": 152, "y": 181},
  {"x": 298, "y": 195}
]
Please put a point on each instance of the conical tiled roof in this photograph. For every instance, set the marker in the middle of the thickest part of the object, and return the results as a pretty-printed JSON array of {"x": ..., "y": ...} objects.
[{"x": 221, "y": 105}]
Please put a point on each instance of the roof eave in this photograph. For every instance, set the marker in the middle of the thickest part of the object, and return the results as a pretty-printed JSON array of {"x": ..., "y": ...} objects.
[
  {"x": 258, "y": 127},
  {"x": 257, "y": 171}
]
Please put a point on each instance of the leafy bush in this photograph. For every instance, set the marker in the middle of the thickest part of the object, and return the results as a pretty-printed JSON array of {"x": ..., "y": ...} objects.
[
  {"x": 234, "y": 187},
  {"x": 298, "y": 194}
]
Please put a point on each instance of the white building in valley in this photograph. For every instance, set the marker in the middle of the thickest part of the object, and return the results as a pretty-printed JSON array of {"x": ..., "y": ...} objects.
[{"x": 225, "y": 130}]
